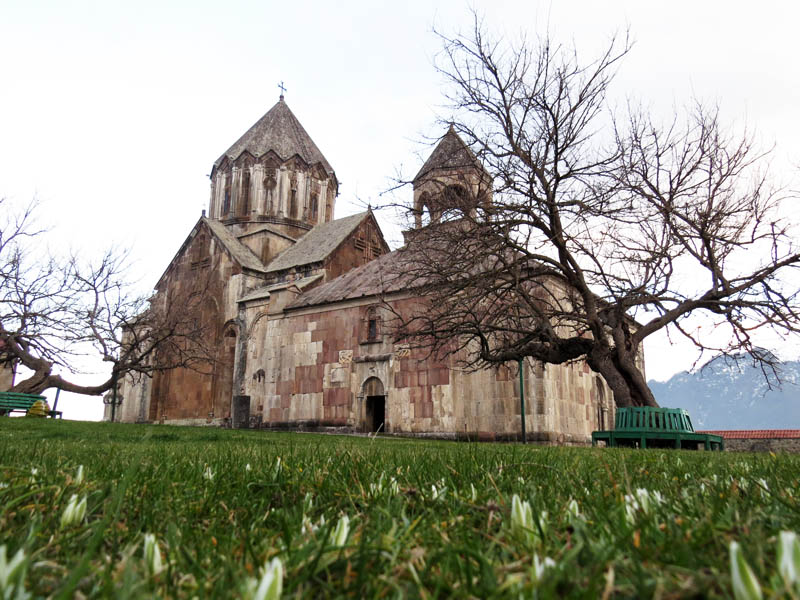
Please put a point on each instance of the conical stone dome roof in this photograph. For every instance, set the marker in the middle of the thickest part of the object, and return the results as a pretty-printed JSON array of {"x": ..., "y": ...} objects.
[
  {"x": 450, "y": 153},
  {"x": 279, "y": 131}
]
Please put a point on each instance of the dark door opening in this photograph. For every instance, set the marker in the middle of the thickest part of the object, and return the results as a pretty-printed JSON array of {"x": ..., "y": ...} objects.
[{"x": 376, "y": 413}]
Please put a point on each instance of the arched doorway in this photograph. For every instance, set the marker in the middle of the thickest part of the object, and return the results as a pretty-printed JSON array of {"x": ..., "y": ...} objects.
[{"x": 375, "y": 405}]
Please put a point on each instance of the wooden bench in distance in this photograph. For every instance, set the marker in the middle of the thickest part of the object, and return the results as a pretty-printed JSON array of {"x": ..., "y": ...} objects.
[
  {"x": 15, "y": 401},
  {"x": 650, "y": 427}
]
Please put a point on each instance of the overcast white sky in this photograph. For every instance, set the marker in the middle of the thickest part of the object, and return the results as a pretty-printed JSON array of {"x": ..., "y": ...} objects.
[{"x": 112, "y": 113}]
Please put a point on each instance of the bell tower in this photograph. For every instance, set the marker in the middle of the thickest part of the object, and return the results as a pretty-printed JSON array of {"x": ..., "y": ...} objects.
[
  {"x": 451, "y": 184},
  {"x": 273, "y": 174}
]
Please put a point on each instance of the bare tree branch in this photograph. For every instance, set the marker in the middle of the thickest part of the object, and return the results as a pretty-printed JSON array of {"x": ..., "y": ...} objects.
[
  {"x": 54, "y": 311},
  {"x": 601, "y": 229}
]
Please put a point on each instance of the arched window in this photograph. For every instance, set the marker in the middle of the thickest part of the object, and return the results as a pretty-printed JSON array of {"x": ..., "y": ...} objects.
[
  {"x": 226, "y": 204},
  {"x": 244, "y": 205},
  {"x": 314, "y": 206},
  {"x": 269, "y": 189},
  {"x": 372, "y": 326},
  {"x": 293, "y": 204}
]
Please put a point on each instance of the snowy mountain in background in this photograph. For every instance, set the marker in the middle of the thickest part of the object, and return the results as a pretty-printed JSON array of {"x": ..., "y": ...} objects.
[{"x": 727, "y": 393}]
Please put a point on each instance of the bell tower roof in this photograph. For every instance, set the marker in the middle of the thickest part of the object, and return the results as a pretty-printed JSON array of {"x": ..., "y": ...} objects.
[
  {"x": 279, "y": 131},
  {"x": 451, "y": 153}
]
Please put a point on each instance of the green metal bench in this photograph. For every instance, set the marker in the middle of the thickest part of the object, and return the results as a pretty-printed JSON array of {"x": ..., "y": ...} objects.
[
  {"x": 15, "y": 401},
  {"x": 650, "y": 427}
]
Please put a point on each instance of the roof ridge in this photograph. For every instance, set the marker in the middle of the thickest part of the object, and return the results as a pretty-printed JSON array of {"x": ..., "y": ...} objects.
[
  {"x": 239, "y": 251},
  {"x": 451, "y": 152},
  {"x": 278, "y": 130},
  {"x": 317, "y": 244}
]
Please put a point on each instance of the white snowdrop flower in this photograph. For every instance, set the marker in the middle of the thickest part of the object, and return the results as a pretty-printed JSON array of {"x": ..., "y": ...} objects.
[
  {"x": 764, "y": 487},
  {"x": 340, "y": 532},
  {"x": 714, "y": 477},
  {"x": 630, "y": 508},
  {"x": 306, "y": 525},
  {"x": 657, "y": 497},
  {"x": 745, "y": 584},
  {"x": 639, "y": 501},
  {"x": 434, "y": 492},
  {"x": 74, "y": 512},
  {"x": 543, "y": 516},
  {"x": 310, "y": 528},
  {"x": 438, "y": 490},
  {"x": 643, "y": 497},
  {"x": 270, "y": 586},
  {"x": 308, "y": 503},
  {"x": 79, "y": 475},
  {"x": 152, "y": 555},
  {"x": 3, "y": 485},
  {"x": 394, "y": 487},
  {"x": 12, "y": 574},
  {"x": 573, "y": 511},
  {"x": 521, "y": 480},
  {"x": 539, "y": 568},
  {"x": 687, "y": 476},
  {"x": 34, "y": 471},
  {"x": 208, "y": 474},
  {"x": 789, "y": 558},
  {"x": 521, "y": 516},
  {"x": 473, "y": 493},
  {"x": 678, "y": 461},
  {"x": 248, "y": 468},
  {"x": 376, "y": 489}
]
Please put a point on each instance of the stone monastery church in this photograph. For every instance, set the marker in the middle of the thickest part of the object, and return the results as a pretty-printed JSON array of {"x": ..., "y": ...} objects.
[{"x": 296, "y": 303}]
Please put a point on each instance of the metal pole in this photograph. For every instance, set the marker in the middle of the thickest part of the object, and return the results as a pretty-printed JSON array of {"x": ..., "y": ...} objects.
[
  {"x": 114, "y": 400},
  {"x": 522, "y": 399},
  {"x": 55, "y": 402}
]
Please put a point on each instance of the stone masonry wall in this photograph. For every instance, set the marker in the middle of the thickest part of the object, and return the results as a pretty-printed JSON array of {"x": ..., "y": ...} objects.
[
  {"x": 6, "y": 377},
  {"x": 309, "y": 368}
]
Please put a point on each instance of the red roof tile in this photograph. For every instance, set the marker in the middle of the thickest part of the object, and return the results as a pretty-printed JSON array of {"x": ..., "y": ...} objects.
[{"x": 752, "y": 434}]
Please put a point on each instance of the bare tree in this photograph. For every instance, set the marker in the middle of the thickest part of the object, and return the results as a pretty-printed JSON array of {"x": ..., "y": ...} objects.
[
  {"x": 55, "y": 312},
  {"x": 600, "y": 230}
]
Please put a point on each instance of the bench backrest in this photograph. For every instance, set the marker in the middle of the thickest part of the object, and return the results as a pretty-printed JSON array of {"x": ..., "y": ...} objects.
[
  {"x": 648, "y": 418},
  {"x": 10, "y": 400}
]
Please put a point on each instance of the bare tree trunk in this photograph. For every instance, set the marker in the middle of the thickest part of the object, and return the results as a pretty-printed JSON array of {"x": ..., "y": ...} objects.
[{"x": 624, "y": 379}]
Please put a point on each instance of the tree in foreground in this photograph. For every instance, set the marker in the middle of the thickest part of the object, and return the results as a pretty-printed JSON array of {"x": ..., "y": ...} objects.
[
  {"x": 55, "y": 313},
  {"x": 592, "y": 231}
]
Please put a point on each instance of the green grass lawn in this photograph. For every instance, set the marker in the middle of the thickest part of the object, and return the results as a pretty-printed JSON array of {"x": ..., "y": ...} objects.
[{"x": 423, "y": 518}]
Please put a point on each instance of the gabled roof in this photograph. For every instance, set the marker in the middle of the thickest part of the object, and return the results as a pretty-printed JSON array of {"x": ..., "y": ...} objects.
[
  {"x": 317, "y": 244},
  {"x": 241, "y": 253},
  {"x": 238, "y": 251},
  {"x": 279, "y": 131},
  {"x": 450, "y": 153},
  {"x": 383, "y": 275},
  {"x": 753, "y": 434}
]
